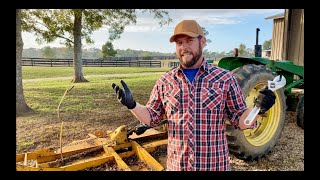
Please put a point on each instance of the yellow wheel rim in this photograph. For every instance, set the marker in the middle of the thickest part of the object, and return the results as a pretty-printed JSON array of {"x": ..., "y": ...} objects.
[{"x": 267, "y": 125}]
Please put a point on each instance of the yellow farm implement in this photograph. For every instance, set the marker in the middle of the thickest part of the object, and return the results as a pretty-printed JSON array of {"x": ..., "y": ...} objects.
[{"x": 119, "y": 150}]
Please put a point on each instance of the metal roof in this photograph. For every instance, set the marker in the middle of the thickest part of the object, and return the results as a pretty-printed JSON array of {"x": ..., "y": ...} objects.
[{"x": 280, "y": 15}]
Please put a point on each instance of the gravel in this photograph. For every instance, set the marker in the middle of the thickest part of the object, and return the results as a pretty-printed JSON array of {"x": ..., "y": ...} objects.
[{"x": 287, "y": 155}]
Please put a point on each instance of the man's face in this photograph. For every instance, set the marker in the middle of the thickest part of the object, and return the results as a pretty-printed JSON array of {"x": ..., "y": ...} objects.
[{"x": 188, "y": 50}]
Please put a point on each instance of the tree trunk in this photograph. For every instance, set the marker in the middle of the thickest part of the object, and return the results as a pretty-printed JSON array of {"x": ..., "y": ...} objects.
[
  {"x": 21, "y": 105},
  {"x": 77, "y": 50}
]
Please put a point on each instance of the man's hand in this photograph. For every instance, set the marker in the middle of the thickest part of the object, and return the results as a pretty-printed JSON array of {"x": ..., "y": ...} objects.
[
  {"x": 124, "y": 96},
  {"x": 141, "y": 128},
  {"x": 265, "y": 100}
]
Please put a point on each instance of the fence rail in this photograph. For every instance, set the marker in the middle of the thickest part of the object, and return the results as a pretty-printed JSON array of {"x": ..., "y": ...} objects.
[
  {"x": 90, "y": 62},
  {"x": 107, "y": 62}
]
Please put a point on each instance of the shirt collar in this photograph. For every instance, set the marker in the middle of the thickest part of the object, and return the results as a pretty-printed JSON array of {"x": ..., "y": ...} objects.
[{"x": 203, "y": 66}]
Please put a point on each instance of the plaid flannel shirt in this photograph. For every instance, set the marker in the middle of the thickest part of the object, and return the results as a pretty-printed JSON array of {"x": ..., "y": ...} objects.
[{"x": 196, "y": 114}]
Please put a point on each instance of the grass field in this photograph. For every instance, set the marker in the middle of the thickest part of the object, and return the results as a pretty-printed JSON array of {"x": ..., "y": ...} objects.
[
  {"x": 86, "y": 108},
  {"x": 44, "y": 96}
]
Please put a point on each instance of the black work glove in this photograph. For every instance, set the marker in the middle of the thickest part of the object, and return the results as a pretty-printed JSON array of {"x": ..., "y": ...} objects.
[
  {"x": 124, "y": 96},
  {"x": 141, "y": 128},
  {"x": 265, "y": 100}
]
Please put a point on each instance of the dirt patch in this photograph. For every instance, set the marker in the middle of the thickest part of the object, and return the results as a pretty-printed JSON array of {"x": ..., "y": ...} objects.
[
  {"x": 109, "y": 166},
  {"x": 136, "y": 164},
  {"x": 35, "y": 131}
]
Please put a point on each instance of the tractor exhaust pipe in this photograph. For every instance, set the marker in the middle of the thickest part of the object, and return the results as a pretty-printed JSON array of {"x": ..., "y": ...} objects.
[
  {"x": 257, "y": 47},
  {"x": 257, "y": 36}
]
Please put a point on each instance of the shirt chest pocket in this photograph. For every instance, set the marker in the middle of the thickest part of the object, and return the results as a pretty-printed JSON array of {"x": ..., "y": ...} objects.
[
  {"x": 172, "y": 101},
  {"x": 211, "y": 98}
]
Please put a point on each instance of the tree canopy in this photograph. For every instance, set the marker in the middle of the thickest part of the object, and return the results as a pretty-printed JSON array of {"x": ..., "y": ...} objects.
[
  {"x": 108, "y": 50},
  {"x": 73, "y": 25},
  {"x": 242, "y": 49},
  {"x": 206, "y": 33},
  {"x": 267, "y": 44}
]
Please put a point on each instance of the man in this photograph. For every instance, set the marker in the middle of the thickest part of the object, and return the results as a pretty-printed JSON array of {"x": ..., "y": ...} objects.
[{"x": 196, "y": 98}]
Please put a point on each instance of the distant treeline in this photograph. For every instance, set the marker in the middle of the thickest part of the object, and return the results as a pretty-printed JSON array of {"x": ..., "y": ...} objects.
[
  {"x": 95, "y": 53},
  {"x": 92, "y": 53}
]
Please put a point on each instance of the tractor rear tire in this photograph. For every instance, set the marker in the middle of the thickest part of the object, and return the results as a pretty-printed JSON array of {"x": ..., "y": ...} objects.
[
  {"x": 252, "y": 144},
  {"x": 300, "y": 112}
]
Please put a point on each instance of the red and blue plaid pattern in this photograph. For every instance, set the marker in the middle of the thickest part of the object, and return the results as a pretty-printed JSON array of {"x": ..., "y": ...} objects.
[{"x": 196, "y": 114}]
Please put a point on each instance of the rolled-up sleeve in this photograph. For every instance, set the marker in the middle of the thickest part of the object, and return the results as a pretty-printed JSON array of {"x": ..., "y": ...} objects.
[
  {"x": 235, "y": 103},
  {"x": 154, "y": 105}
]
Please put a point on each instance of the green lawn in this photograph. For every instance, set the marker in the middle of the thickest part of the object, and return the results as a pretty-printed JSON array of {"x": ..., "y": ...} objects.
[{"x": 44, "y": 96}]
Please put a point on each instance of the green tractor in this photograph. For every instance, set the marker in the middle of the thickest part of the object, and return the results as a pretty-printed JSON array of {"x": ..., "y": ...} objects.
[{"x": 253, "y": 75}]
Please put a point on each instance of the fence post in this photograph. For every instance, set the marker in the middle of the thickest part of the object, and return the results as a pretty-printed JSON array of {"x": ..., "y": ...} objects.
[
  {"x": 31, "y": 62},
  {"x": 51, "y": 62}
]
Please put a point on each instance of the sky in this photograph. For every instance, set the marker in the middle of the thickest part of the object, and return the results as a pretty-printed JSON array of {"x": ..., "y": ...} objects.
[{"x": 227, "y": 29}]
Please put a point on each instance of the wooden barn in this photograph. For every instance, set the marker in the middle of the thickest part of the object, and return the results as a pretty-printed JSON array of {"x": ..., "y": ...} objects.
[{"x": 288, "y": 36}]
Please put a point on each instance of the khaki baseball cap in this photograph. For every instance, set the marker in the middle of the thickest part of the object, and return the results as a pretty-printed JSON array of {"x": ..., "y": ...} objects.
[{"x": 187, "y": 27}]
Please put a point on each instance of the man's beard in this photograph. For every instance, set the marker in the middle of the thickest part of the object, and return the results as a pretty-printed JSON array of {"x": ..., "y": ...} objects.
[{"x": 193, "y": 61}]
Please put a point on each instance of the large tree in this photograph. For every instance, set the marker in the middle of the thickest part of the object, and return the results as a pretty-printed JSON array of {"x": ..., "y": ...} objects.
[
  {"x": 21, "y": 105},
  {"x": 48, "y": 52},
  {"x": 206, "y": 33},
  {"x": 73, "y": 25},
  {"x": 242, "y": 49},
  {"x": 267, "y": 44},
  {"x": 108, "y": 50}
]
